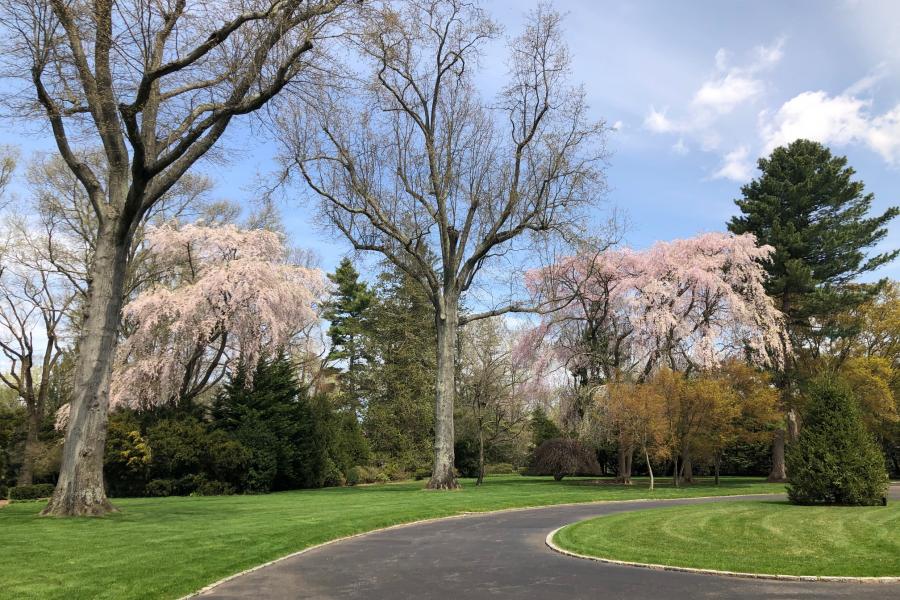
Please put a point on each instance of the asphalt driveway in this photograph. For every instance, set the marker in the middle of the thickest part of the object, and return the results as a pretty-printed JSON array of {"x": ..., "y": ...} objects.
[{"x": 504, "y": 556}]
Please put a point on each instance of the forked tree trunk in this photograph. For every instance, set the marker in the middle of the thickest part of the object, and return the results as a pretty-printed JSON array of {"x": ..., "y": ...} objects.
[
  {"x": 625, "y": 456},
  {"x": 443, "y": 476},
  {"x": 779, "y": 471},
  {"x": 80, "y": 489}
]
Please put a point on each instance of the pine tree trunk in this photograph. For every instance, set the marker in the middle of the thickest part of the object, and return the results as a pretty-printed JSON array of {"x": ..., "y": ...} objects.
[
  {"x": 442, "y": 473},
  {"x": 779, "y": 471},
  {"x": 80, "y": 489}
]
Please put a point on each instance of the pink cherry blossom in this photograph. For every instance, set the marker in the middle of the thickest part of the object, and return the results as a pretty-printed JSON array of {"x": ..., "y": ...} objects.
[
  {"x": 686, "y": 304},
  {"x": 228, "y": 293}
]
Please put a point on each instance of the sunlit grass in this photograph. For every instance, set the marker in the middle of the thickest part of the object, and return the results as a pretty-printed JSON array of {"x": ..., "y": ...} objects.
[{"x": 752, "y": 537}]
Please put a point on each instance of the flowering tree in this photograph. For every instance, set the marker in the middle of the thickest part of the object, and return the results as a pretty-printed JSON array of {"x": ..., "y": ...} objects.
[
  {"x": 685, "y": 305},
  {"x": 230, "y": 293}
]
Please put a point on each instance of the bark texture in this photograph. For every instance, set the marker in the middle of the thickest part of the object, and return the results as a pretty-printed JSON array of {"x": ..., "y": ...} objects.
[
  {"x": 778, "y": 473},
  {"x": 443, "y": 475},
  {"x": 80, "y": 490}
]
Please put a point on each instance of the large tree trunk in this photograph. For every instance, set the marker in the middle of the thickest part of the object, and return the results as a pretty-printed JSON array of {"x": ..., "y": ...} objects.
[
  {"x": 443, "y": 476},
  {"x": 625, "y": 458},
  {"x": 80, "y": 489},
  {"x": 779, "y": 471},
  {"x": 32, "y": 447}
]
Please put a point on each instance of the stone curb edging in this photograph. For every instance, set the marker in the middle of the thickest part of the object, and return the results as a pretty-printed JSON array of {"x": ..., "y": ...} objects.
[
  {"x": 216, "y": 584},
  {"x": 625, "y": 563}
]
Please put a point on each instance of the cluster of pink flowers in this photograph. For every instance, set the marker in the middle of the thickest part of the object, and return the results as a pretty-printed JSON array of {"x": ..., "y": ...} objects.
[
  {"x": 229, "y": 288},
  {"x": 691, "y": 302}
]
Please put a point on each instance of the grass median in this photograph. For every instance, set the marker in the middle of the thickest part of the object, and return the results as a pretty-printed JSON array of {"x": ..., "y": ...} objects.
[{"x": 749, "y": 537}]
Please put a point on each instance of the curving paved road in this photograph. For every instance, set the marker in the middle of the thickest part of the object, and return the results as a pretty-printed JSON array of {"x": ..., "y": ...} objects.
[{"x": 503, "y": 556}]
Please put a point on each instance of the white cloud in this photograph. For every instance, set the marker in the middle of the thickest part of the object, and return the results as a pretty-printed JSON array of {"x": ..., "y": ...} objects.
[
  {"x": 833, "y": 120},
  {"x": 768, "y": 56},
  {"x": 727, "y": 88},
  {"x": 736, "y": 166},
  {"x": 884, "y": 135},
  {"x": 735, "y": 85},
  {"x": 658, "y": 122},
  {"x": 680, "y": 148},
  {"x": 724, "y": 94}
]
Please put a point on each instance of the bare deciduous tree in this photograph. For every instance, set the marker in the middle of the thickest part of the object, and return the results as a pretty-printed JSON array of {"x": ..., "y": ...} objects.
[
  {"x": 155, "y": 83},
  {"x": 413, "y": 164},
  {"x": 34, "y": 313},
  {"x": 492, "y": 385}
]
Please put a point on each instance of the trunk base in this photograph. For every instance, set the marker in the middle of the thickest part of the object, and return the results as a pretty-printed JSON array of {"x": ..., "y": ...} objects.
[
  {"x": 84, "y": 506},
  {"x": 446, "y": 484}
]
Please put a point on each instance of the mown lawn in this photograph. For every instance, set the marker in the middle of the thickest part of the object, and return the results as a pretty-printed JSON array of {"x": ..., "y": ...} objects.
[
  {"x": 168, "y": 547},
  {"x": 750, "y": 537}
]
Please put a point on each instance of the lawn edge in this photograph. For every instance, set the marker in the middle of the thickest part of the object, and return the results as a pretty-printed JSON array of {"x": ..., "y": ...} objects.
[
  {"x": 737, "y": 574},
  {"x": 461, "y": 515}
]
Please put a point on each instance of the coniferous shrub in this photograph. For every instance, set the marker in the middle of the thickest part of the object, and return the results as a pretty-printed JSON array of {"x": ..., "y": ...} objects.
[{"x": 835, "y": 460}]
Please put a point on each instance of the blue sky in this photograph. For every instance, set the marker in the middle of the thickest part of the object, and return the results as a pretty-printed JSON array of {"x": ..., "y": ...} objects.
[{"x": 695, "y": 91}]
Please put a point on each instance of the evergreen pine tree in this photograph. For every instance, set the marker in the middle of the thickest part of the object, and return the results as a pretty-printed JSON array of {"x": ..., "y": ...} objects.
[
  {"x": 835, "y": 460},
  {"x": 807, "y": 205},
  {"x": 400, "y": 338},
  {"x": 346, "y": 312}
]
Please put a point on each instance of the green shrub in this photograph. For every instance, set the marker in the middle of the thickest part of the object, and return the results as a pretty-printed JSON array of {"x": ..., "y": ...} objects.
[
  {"x": 465, "y": 457},
  {"x": 500, "y": 469},
  {"x": 395, "y": 472},
  {"x": 835, "y": 460},
  {"x": 160, "y": 488},
  {"x": 31, "y": 492},
  {"x": 353, "y": 475},
  {"x": 421, "y": 474},
  {"x": 213, "y": 488},
  {"x": 369, "y": 474},
  {"x": 332, "y": 475}
]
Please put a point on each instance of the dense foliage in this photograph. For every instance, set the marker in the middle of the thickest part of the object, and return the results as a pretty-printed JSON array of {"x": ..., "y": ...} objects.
[
  {"x": 835, "y": 460},
  {"x": 261, "y": 433},
  {"x": 31, "y": 492}
]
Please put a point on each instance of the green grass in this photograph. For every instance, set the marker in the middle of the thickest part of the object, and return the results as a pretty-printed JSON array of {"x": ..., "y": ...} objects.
[
  {"x": 749, "y": 537},
  {"x": 168, "y": 547}
]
